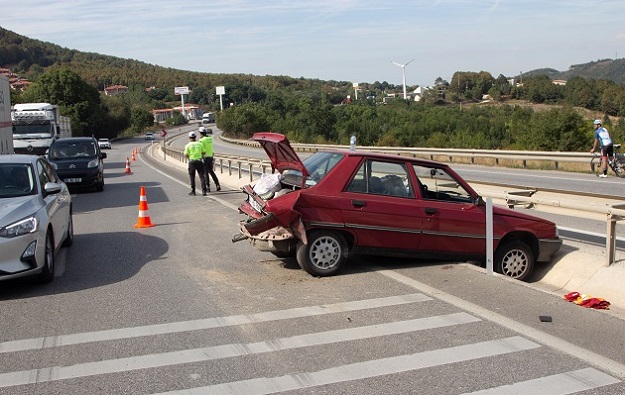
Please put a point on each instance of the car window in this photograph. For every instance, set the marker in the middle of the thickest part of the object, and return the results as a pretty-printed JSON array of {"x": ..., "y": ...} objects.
[
  {"x": 44, "y": 176},
  {"x": 48, "y": 172},
  {"x": 16, "y": 179},
  {"x": 318, "y": 166},
  {"x": 381, "y": 178},
  {"x": 438, "y": 184}
]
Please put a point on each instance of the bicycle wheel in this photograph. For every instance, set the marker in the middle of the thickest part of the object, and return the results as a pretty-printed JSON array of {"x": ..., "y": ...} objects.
[
  {"x": 595, "y": 165},
  {"x": 617, "y": 165}
]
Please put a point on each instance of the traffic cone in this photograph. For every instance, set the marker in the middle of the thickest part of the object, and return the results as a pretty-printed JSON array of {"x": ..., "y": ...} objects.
[
  {"x": 144, "y": 218},
  {"x": 128, "y": 166},
  {"x": 133, "y": 156}
]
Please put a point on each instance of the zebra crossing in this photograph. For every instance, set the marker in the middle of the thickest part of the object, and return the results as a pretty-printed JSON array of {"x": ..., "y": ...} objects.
[{"x": 565, "y": 382}]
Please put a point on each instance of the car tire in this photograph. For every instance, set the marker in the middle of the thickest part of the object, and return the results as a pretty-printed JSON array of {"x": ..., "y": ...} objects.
[
  {"x": 100, "y": 186},
  {"x": 69, "y": 237},
  {"x": 515, "y": 259},
  {"x": 47, "y": 272},
  {"x": 324, "y": 255}
]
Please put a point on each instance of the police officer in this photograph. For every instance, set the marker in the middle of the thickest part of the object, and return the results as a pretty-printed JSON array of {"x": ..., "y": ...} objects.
[
  {"x": 207, "y": 143},
  {"x": 194, "y": 152}
]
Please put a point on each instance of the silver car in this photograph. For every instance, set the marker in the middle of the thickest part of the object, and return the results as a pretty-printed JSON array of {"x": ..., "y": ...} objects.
[{"x": 35, "y": 217}]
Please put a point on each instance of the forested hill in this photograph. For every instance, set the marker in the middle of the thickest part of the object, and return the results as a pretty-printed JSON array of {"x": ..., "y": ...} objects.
[
  {"x": 604, "y": 69},
  {"x": 29, "y": 58}
]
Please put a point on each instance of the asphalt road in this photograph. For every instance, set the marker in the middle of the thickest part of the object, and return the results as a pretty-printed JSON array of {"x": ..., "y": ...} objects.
[{"x": 179, "y": 309}]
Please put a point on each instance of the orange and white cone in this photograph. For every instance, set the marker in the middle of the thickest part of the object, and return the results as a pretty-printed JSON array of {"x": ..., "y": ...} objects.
[
  {"x": 144, "y": 218},
  {"x": 133, "y": 156},
  {"x": 127, "y": 171}
]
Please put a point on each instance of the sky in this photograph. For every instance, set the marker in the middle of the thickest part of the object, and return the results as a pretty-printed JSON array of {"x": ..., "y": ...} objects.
[{"x": 342, "y": 40}]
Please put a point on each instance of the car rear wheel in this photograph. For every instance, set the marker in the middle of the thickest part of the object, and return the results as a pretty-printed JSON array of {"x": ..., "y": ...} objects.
[
  {"x": 515, "y": 259},
  {"x": 324, "y": 255},
  {"x": 47, "y": 273}
]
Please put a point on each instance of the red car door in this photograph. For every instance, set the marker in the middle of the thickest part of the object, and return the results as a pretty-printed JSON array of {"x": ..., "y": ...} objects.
[
  {"x": 453, "y": 223},
  {"x": 380, "y": 208}
]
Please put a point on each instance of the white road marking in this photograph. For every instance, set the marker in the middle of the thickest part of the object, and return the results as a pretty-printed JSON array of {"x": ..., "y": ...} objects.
[
  {"x": 557, "y": 384},
  {"x": 606, "y": 364},
  {"x": 208, "y": 323},
  {"x": 367, "y": 369},
  {"x": 230, "y": 350}
]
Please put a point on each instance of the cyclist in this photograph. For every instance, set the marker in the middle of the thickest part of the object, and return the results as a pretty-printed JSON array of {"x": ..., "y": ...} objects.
[{"x": 602, "y": 138}]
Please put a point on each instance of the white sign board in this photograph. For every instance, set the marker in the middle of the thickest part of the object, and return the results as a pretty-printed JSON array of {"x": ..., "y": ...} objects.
[
  {"x": 181, "y": 90},
  {"x": 220, "y": 90}
]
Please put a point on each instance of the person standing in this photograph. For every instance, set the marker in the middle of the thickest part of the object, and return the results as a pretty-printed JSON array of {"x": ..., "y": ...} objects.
[
  {"x": 207, "y": 144},
  {"x": 602, "y": 139},
  {"x": 194, "y": 152}
]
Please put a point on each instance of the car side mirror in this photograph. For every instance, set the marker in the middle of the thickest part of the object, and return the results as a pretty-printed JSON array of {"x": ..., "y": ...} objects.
[
  {"x": 103, "y": 155},
  {"x": 478, "y": 200},
  {"x": 50, "y": 188}
]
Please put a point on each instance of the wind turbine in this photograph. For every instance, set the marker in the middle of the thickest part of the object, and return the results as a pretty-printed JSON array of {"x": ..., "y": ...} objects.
[{"x": 403, "y": 69}]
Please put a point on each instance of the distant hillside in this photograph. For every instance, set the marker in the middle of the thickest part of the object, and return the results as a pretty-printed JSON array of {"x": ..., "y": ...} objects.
[
  {"x": 604, "y": 69},
  {"x": 29, "y": 58}
]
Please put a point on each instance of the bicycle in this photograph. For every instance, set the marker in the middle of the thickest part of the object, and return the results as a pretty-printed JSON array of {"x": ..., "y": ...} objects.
[{"x": 616, "y": 163}]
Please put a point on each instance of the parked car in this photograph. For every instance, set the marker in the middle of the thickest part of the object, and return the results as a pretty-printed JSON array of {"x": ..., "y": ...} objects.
[
  {"x": 104, "y": 143},
  {"x": 35, "y": 217},
  {"x": 78, "y": 161},
  {"x": 149, "y": 136},
  {"x": 340, "y": 203}
]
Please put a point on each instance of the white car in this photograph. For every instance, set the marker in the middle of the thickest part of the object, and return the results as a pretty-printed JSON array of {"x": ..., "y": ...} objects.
[
  {"x": 104, "y": 143},
  {"x": 149, "y": 136},
  {"x": 35, "y": 217}
]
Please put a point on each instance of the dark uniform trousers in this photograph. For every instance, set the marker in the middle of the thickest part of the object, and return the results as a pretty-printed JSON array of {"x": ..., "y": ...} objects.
[
  {"x": 208, "y": 171},
  {"x": 197, "y": 165}
]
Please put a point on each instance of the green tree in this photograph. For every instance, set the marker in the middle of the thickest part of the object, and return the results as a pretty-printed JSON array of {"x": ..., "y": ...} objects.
[{"x": 75, "y": 98}]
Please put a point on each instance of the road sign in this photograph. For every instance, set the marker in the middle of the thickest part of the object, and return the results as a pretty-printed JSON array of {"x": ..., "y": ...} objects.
[{"x": 181, "y": 90}]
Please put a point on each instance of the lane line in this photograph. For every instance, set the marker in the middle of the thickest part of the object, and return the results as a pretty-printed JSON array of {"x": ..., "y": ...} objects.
[
  {"x": 231, "y": 350},
  {"x": 207, "y": 323},
  {"x": 592, "y": 358},
  {"x": 557, "y": 384},
  {"x": 363, "y": 370}
]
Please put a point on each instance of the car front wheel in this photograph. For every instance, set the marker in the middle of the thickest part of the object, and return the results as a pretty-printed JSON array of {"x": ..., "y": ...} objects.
[
  {"x": 324, "y": 255},
  {"x": 515, "y": 259},
  {"x": 47, "y": 272},
  {"x": 69, "y": 237}
]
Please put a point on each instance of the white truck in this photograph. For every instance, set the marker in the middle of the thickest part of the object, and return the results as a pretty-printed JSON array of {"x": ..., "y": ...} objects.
[
  {"x": 36, "y": 126},
  {"x": 6, "y": 137}
]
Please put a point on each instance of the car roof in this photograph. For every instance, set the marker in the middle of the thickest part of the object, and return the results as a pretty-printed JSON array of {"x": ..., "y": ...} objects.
[
  {"x": 70, "y": 140},
  {"x": 283, "y": 156},
  {"x": 18, "y": 158}
]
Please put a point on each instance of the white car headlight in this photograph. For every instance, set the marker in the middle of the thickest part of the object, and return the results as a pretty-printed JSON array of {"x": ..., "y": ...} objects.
[
  {"x": 93, "y": 163},
  {"x": 22, "y": 227}
]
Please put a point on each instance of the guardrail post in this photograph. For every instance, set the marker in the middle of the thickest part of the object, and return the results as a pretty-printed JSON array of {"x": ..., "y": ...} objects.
[
  {"x": 239, "y": 169},
  {"x": 250, "y": 165},
  {"x": 610, "y": 240}
]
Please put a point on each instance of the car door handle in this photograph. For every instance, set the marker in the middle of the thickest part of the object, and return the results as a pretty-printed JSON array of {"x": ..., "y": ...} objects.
[
  {"x": 430, "y": 210},
  {"x": 358, "y": 203}
]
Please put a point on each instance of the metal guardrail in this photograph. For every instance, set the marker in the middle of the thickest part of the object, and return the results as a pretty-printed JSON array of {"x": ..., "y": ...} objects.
[
  {"x": 449, "y": 153},
  {"x": 613, "y": 213}
]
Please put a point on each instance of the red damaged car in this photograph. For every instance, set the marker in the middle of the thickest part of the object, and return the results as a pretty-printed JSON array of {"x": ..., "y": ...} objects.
[{"x": 338, "y": 203}]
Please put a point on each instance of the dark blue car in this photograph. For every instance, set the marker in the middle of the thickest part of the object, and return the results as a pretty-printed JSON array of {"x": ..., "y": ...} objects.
[{"x": 78, "y": 162}]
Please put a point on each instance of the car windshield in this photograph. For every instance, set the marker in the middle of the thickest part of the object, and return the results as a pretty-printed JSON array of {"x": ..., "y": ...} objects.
[
  {"x": 16, "y": 179},
  {"x": 318, "y": 166},
  {"x": 73, "y": 150},
  {"x": 438, "y": 184}
]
